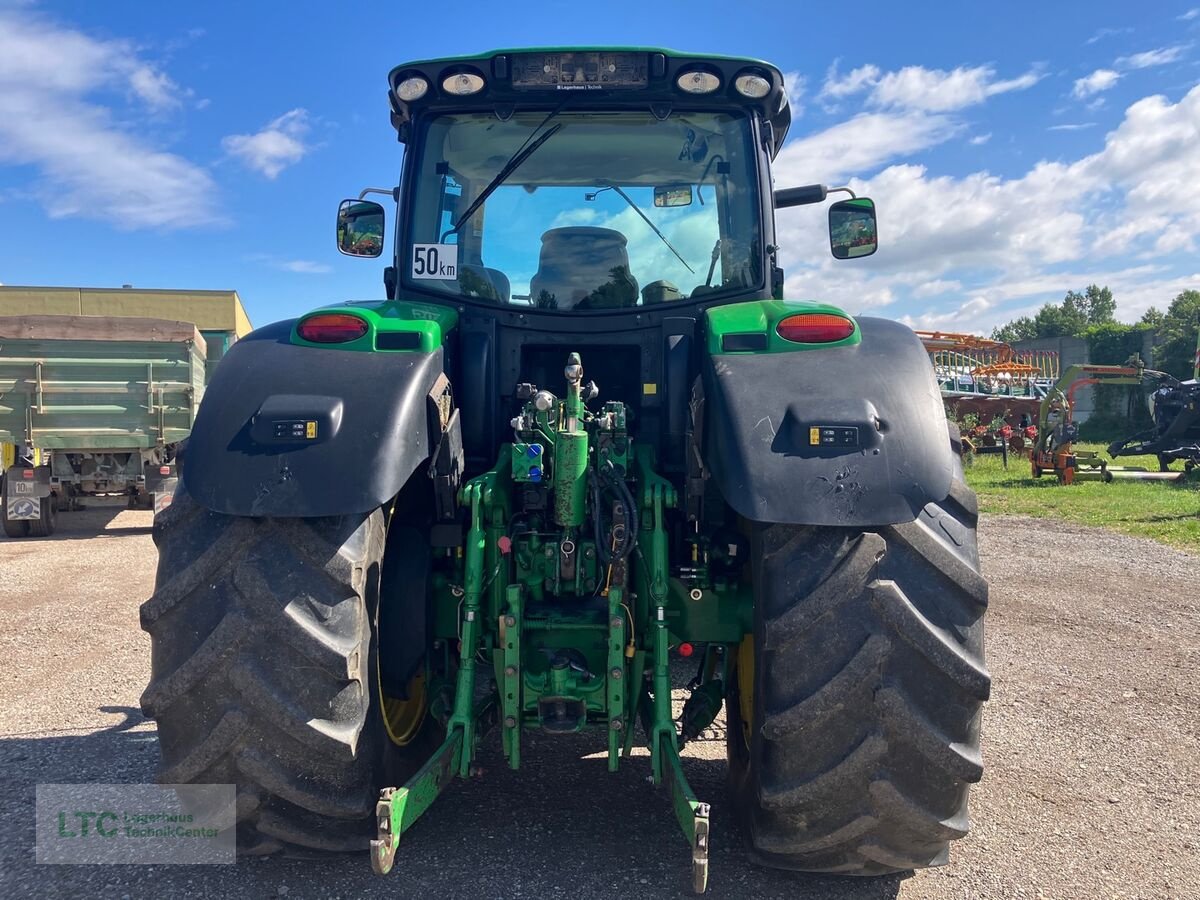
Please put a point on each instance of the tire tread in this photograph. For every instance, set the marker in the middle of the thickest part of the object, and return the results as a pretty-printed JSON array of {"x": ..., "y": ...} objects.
[{"x": 870, "y": 679}]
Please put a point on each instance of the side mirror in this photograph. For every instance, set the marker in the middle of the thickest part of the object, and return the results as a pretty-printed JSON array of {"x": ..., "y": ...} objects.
[
  {"x": 852, "y": 228},
  {"x": 673, "y": 195},
  {"x": 360, "y": 228}
]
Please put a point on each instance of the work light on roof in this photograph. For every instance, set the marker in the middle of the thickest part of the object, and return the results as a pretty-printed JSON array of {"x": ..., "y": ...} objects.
[
  {"x": 752, "y": 85},
  {"x": 462, "y": 84},
  {"x": 411, "y": 89},
  {"x": 696, "y": 81}
]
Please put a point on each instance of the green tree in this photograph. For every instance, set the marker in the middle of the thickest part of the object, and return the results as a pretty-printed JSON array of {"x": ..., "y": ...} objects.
[
  {"x": 1152, "y": 318},
  {"x": 1099, "y": 305},
  {"x": 1072, "y": 317},
  {"x": 1017, "y": 330},
  {"x": 1065, "y": 319},
  {"x": 1175, "y": 349}
]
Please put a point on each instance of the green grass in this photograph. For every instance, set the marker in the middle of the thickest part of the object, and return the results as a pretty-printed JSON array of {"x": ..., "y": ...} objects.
[{"x": 1167, "y": 512}]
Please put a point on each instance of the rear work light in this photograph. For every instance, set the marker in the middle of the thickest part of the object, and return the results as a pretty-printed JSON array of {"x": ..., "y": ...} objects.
[
  {"x": 815, "y": 328},
  {"x": 463, "y": 84},
  {"x": 695, "y": 81},
  {"x": 753, "y": 86},
  {"x": 411, "y": 89},
  {"x": 331, "y": 328}
]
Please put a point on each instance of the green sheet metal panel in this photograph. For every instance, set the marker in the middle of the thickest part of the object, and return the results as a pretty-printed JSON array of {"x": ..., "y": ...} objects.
[{"x": 89, "y": 383}]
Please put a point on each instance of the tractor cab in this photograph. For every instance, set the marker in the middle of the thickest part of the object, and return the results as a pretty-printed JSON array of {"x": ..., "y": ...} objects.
[{"x": 591, "y": 181}]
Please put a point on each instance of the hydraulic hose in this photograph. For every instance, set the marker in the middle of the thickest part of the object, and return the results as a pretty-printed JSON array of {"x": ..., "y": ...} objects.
[{"x": 608, "y": 481}]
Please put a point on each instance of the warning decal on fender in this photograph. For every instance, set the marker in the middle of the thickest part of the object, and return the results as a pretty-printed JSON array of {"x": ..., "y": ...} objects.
[
  {"x": 438, "y": 261},
  {"x": 23, "y": 510}
]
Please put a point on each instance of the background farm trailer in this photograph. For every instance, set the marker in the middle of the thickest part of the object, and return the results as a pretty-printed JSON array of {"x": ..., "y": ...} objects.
[{"x": 94, "y": 403}]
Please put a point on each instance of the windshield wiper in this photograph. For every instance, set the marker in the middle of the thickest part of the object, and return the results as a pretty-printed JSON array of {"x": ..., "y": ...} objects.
[
  {"x": 662, "y": 237},
  {"x": 515, "y": 161}
]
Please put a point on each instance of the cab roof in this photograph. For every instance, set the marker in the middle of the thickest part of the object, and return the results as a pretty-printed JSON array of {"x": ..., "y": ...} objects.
[{"x": 655, "y": 83}]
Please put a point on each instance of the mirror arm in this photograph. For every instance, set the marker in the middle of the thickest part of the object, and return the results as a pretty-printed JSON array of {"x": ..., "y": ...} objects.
[
  {"x": 394, "y": 193},
  {"x": 836, "y": 190}
]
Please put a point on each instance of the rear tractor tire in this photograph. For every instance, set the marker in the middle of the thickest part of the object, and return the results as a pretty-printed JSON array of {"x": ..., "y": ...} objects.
[
  {"x": 264, "y": 672},
  {"x": 854, "y": 717}
]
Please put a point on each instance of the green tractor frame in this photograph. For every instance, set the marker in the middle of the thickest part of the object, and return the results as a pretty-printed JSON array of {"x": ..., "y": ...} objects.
[{"x": 583, "y": 436}]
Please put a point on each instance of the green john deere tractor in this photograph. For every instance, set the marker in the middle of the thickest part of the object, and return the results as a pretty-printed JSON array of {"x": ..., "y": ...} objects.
[{"x": 583, "y": 435}]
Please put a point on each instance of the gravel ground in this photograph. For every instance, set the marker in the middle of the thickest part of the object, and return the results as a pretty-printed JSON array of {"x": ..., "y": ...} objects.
[{"x": 1091, "y": 743}]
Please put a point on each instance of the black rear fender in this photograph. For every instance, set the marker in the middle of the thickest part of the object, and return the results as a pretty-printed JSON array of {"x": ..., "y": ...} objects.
[
  {"x": 289, "y": 431},
  {"x": 845, "y": 436}
]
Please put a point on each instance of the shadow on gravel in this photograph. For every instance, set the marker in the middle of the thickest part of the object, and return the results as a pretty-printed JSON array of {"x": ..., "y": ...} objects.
[
  {"x": 116, "y": 754},
  {"x": 561, "y": 825},
  {"x": 85, "y": 524}
]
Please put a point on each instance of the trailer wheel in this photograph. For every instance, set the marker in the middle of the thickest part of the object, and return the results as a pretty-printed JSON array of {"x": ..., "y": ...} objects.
[
  {"x": 854, "y": 715},
  {"x": 264, "y": 672},
  {"x": 13, "y": 528},
  {"x": 48, "y": 522}
]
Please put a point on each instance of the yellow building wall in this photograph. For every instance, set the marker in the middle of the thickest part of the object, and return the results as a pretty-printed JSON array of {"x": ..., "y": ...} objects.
[
  {"x": 18, "y": 301},
  {"x": 207, "y": 310}
]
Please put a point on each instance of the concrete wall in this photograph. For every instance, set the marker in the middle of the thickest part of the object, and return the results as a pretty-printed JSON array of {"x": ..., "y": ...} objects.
[
  {"x": 1071, "y": 351},
  {"x": 1074, "y": 351}
]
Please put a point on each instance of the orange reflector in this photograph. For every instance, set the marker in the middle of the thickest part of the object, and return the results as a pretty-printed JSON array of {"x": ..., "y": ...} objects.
[
  {"x": 331, "y": 328},
  {"x": 27, "y": 473},
  {"x": 815, "y": 328},
  {"x": 164, "y": 470},
  {"x": 686, "y": 649}
]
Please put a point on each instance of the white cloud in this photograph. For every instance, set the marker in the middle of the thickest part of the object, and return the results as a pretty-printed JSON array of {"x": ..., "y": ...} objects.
[
  {"x": 155, "y": 88},
  {"x": 935, "y": 90},
  {"x": 1160, "y": 57},
  {"x": 304, "y": 267},
  {"x": 279, "y": 144},
  {"x": 859, "y": 144},
  {"x": 1189, "y": 15},
  {"x": 980, "y": 139},
  {"x": 1102, "y": 33},
  {"x": 936, "y": 288},
  {"x": 1100, "y": 80},
  {"x": 88, "y": 163},
  {"x": 837, "y": 86},
  {"x": 919, "y": 88},
  {"x": 296, "y": 266},
  {"x": 1118, "y": 216},
  {"x": 1072, "y": 126}
]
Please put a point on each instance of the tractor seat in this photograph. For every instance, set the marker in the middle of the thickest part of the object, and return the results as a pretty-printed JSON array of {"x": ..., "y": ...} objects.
[{"x": 583, "y": 268}]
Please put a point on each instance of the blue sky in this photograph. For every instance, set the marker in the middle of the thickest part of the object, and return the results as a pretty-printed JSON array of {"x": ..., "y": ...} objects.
[{"x": 1015, "y": 150}]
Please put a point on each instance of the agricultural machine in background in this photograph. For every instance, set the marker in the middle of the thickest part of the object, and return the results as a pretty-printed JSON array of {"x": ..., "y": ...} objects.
[
  {"x": 583, "y": 430},
  {"x": 100, "y": 405},
  {"x": 98, "y": 388},
  {"x": 1175, "y": 435},
  {"x": 992, "y": 390}
]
